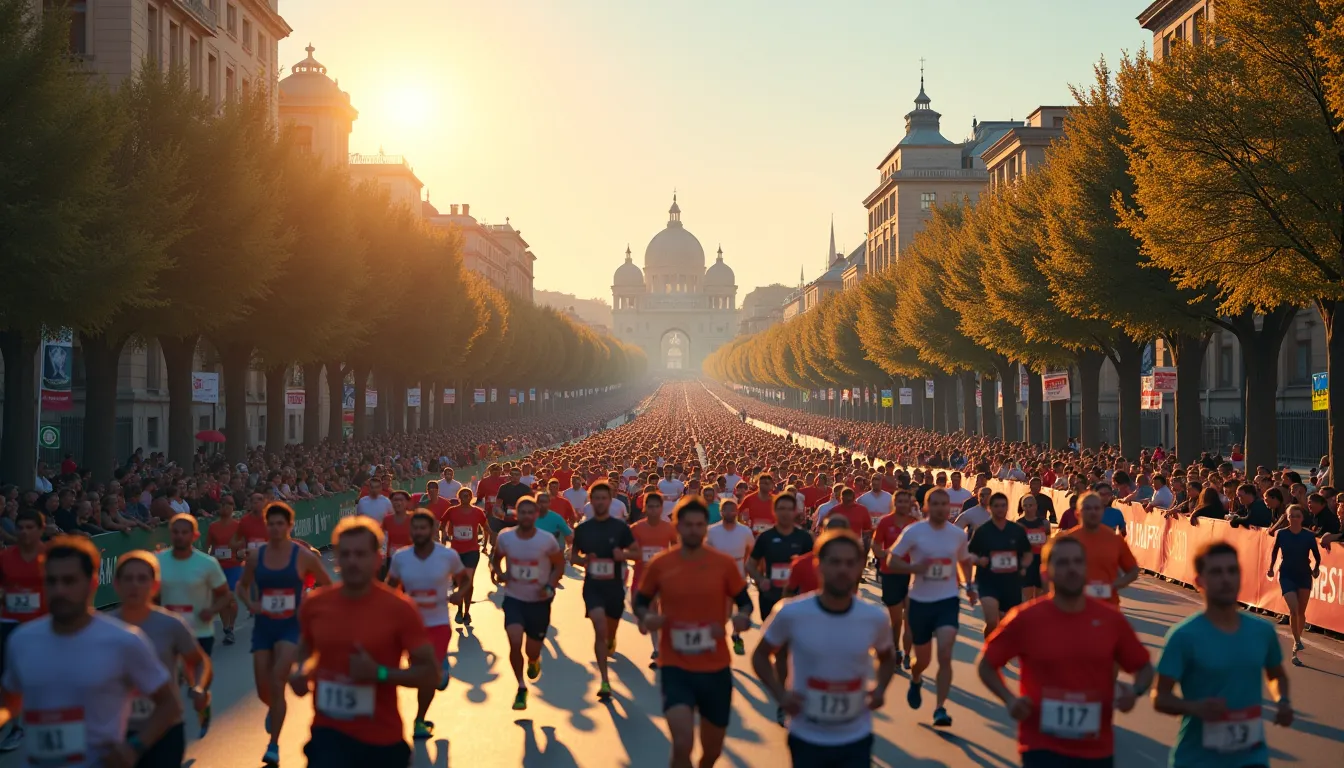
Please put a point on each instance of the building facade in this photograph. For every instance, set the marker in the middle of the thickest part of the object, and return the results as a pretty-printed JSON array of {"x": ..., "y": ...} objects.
[
  {"x": 675, "y": 309},
  {"x": 497, "y": 252},
  {"x": 762, "y": 308},
  {"x": 1173, "y": 22}
]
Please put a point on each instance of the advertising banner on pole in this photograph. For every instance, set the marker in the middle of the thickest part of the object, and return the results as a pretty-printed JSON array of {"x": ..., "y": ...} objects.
[
  {"x": 1320, "y": 391},
  {"x": 978, "y": 397},
  {"x": 348, "y": 397},
  {"x": 1023, "y": 384},
  {"x": 413, "y": 397},
  {"x": 295, "y": 398},
  {"x": 370, "y": 398},
  {"x": 907, "y": 396},
  {"x": 1150, "y": 400},
  {"x": 449, "y": 396},
  {"x": 479, "y": 396},
  {"x": 56, "y": 370},
  {"x": 928, "y": 389},
  {"x": 1164, "y": 379},
  {"x": 886, "y": 398},
  {"x": 532, "y": 394},
  {"x": 494, "y": 394},
  {"x": 1055, "y": 386},
  {"x": 205, "y": 387}
]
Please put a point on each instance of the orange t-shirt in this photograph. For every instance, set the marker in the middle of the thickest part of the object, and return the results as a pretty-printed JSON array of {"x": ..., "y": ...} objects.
[
  {"x": 459, "y": 516},
  {"x": 252, "y": 530},
  {"x": 694, "y": 592},
  {"x": 884, "y": 538},
  {"x": 219, "y": 541},
  {"x": 860, "y": 519},
  {"x": 561, "y": 506},
  {"x": 758, "y": 511},
  {"x": 1107, "y": 555},
  {"x": 438, "y": 507},
  {"x": 387, "y": 625},
  {"x": 1080, "y": 672},
  {"x": 652, "y": 541},
  {"x": 24, "y": 584},
  {"x": 398, "y": 534}
]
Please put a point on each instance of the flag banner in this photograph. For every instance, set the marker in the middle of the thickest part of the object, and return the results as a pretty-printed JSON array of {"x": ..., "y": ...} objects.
[
  {"x": 1023, "y": 384},
  {"x": 204, "y": 387},
  {"x": 1164, "y": 379},
  {"x": 1151, "y": 401},
  {"x": 413, "y": 397},
  {"x": 1055, "y": 386},
  {"x": 370, "y": 398},
  {"x": 479, "y": 396},
  {"x": 886, "y": 398},
  {"x": 1320, "y": 391},
  {"x": 449, "y": 396},
  {"x": 348, "y": 397},
  {"x": 295, "y": 398},
  {"x": 928, "y": 389},
  {"x": 532, "y": 394},
  {"x": 494, "y": 394},
  {"x": 57, "y": 364},
  {"x": 907, "y": 396}
]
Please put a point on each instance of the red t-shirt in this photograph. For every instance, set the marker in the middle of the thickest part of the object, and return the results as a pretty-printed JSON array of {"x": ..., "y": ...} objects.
[
  {"x": 487, "y": 489},
  {"x": 458, "y": 518},
  {"x": 561, "y": 506},
  {"x": 252, "y": 528},
  {"x": 23, "y": 583},
  {"x": 219, "y": 541},
  {"x": 803, "y": 574},
  {"x": 563, "y": 475},
  {"x": 398, "y": 534},
  {"x": 814, "y": 496},
  {"x": 386, "y": 624},
  {"x": 1064, "y": 680},
  {"x": 757, "y": 510},
  {"x": 438, "y": 507},
  {"x": 69, "y": 467},
  {"x": 858, "y": 516},
  {"x": 884, "y": 538}
]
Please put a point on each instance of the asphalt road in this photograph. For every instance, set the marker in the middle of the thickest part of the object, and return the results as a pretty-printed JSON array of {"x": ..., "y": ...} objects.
[{"x": 565, "y": 725}]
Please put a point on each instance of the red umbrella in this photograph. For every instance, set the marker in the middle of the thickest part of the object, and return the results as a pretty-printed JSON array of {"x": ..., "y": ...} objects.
[{"x": 210, "y": 436}]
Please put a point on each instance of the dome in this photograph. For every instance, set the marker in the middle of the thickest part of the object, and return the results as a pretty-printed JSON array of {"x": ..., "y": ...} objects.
[
  {"x": 308, "y": 80},
  {"x": 628, "y": 275},
  {"x": 674, "y": 249},
  {"x": 720, "y": 273}
]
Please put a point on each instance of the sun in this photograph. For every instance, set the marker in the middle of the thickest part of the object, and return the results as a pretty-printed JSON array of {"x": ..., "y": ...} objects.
[{"x": 410, "y": 104}]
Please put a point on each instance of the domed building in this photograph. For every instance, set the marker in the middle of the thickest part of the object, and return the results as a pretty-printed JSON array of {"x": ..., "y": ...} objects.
[
  {"x": 319, "y": 111},
  {"x": 674, "y": 309}
]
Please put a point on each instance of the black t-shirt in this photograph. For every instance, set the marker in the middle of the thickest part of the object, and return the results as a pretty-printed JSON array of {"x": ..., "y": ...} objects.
[
  {"x": 599, "y": 539},
  {"x": 776, "y": 549},
  {"x": 987, "y": 541},
  {"x": 1326, "y": 522},
  {"x": 920, "y": 491},
  {"x": 1045, "y": 507},
  {"x": 510, "y": 493}
]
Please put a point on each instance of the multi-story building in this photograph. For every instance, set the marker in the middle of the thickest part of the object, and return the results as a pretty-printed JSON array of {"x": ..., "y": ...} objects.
[
  {"x": 763, "y": 308},
  {"x": 392, "y": 172},
  {"x": 1173, "y": 22},
  {"x": 1022, "y": 148},
  {"x": 498, "y": 252}
]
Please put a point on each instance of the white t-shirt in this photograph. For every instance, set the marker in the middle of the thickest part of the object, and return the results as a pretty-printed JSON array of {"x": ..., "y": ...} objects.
[
  {"x": 77, "y": 688},
  {"x": 733, "y": 480},
  {"x": 944, "y": 548},
  {"x": 376, "y": 507},
  {"x": 1163, "y": 498},
  {"x": 825, "y": 509},
  {"x": 957, "y": 496},
  {"x": 528, "y": 480},
  {"x": 735, "y": 542},
  {"x": 830, "y": 665},
  {"x": 527, "y": 562},
  {"x": 448, "y": 489},
  {"x": 878, "y": 504},
  {"x": 427, "y": 582},
  {"x": 576, "y": 497},
  {"x": 617, "y": 509},
  {"x": 630, "y": 472},
  {"x": 671, "y": 489}
]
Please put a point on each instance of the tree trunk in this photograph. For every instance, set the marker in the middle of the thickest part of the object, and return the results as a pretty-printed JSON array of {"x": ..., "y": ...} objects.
[
  {"x": 335, "y": 394},
  {"x": 429, "y": 407},
  {"x": 1008, "y": 422},
  {"x": 1059, "y": 424},
  {"x": 18, "y": 448},
  {"x": 970, "y": 416},
  {"x": 1330, "y": 312},
  {"x": 102, "y": 357},
  {"x": 275, "y": 407},
  {"x": 396, "y": 401},
  {"x": 361, "y": 422},
  {"x": 179, "y": 357},
  {"x": 1035, "y": 409},
  {"x": 1128, "y": 362},
  {"x": 988, "y": 425},
  {"x": 236, "y": 360},
  {"x": 312, "y": 404},
  {"x": 1188, "y": 351},
  {"x": 1260, "y": 364},
  {"x": 1089, "y": 398}
]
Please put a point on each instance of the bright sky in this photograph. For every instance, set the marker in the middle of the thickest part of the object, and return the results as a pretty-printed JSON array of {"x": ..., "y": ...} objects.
[{"x": 577, "y": 118}]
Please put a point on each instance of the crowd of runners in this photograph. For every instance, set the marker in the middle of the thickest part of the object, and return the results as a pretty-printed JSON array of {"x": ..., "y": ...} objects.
[{"x": 714, "y": 536}]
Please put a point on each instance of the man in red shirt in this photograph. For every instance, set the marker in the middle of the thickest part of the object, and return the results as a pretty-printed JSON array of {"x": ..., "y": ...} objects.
[
  {"x": 397, "y": 526},
  {"x": 22, "y": 587},
  {"x": 252, "y": 531},
  {"x": 816, "y": 492},
  {"x": 757, "y": 508},
  {"x": 352, "y": 637},
  {"x": 895, "y": 586},
  {"x": 487, "y": 491},
  {"x": 436, "y": 504},
  {"x": 860, "y": 521},
  {"x": 1068, "y": 690},
  {"x": 463, "y": 524},
  {"x": 562, "y": 475},
  {"x": 559, "y": 504}
]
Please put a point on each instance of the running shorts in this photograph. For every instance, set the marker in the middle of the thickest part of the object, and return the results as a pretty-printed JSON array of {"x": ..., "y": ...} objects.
[
  {"x": 1044, "y": 758},
  {"x": 855, "y": 754},
  {"x": 768, "y": 599},
  {"x": 709, "y": 693},
  {"x": 470, "y": 559},
  {"x": 266, "y": 633},
  {"x": 611, "y": 599},
  {"x": 926, "y": 618},
  {"x": 232, "y": 575},
  {"x": 534, "y": 618},
  {"x": 440, "y": 636},
  {"x": 330, "y": 748},
  {"x": 895, "y": 588},
  {"x": 1289, "y": 583},
  {"x": 168, "y": 751},
  {"x": 1007, "y": 596}
]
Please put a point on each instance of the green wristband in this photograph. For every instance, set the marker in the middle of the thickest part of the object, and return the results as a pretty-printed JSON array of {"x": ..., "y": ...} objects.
[
  {"x": 382, "y": 674},
  {"x": 133, "y": 741}
]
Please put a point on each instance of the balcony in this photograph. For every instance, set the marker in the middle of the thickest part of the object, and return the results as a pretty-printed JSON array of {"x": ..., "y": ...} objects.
[
  {"x": 202, "y": 13},
  {"x": 378, "y": 159}
]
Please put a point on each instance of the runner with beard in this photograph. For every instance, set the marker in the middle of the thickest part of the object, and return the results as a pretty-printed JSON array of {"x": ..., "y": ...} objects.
[
  {"x": 653, "y": 535},
  {"x": 1003, "y": 555},
  {"x": 895, "y": 585},
  {"x": 771, "y": 558},
  {"x": 604, "y": 543},
  {"x": 535, "y": 565},
  {"x": 735, "y": 540}
]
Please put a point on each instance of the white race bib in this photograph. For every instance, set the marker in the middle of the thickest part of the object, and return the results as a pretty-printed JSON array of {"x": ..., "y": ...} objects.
[
  {"x": 253, "y": 546},
  {"x": 54, "y": 736},
  {"x": 141, "y": 708},
  {"x": 464, "y": 532},
  {"x": 1099, "y": 589},
  {"x": 939, "y": 570},
  {"x": 1070, "y": 716},
  {"x": 648, "y": 553},
  {"x": 833, "y": 701},
  {"x": 427, "y": 599},
  {"x": 1036, "y": 538},
  {"x": 1003, "y": 562},
  {"x": 779, "y": 574},
  {"x": 223, "y": 553},
  {"x": 278, "y": 603},
  {"x": 693, "y": 639},
  {"x": 1236, "y": 732},
  {"x": 344, "y": 701},
  {"x": 601, "y": 568},
  {"x": 185, "y": 611},
  {"x": 23, "y": 602},
  {"x": 523, "y": 570},
  {"x": 759, "y": 528}
]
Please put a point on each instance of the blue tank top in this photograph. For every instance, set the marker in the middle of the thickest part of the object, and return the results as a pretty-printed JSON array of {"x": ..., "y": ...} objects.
[{"x": 280, "y": 590}]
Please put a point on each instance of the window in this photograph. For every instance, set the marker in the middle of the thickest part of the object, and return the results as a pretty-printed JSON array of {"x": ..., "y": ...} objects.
[
  {"x": 153, "y": 366},
  {"x": 152, "y": 33},
  {"x": 194, "y": 63},
  {"x": 927, "y": 200},
  {"x": 1057, "y": 121},
  {"x": 230, "y": 83},
  {"x": 231, "y": 20},
  {"x": 1197, "y": 25},
  {"x": 247, "y": 34},
  {"x": 152, "y": 431},
  {"x": 1299, "y": 371},
  {"x": 1225, "y": 368},
  {"x": 263, "y": 53},
  {"x": 293, "y": 426},
  {"x": 174, "y": 45},
  {"x": 79, "y": 23},
  {"x": 203, "y": 423},
  {"x": 212, "y": 80}
]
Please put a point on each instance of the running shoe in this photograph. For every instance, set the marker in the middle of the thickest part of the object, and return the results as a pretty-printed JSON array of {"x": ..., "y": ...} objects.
[
  {"x": 604, "y": 691},
  {"x": 1298, "y": 646},
  {"x": 520, "y": 701},
  {"x": 423, "y": 730},
  {"x": 941, "y": 719},
  {"x": 534, "y": 669},
  {"x": 445, "y": 674},
  {"x": 272, "y": 756},
  {"x": 466, "y": 619},
  {"x": 653, "y": 660},
  {"x": 915, "y": 697},
  {"x": 229, "y": 639},
  {"x": 1297, "y": 662},
  {"x": 13, "y": 740},
  {"x": 900, "y": 659},
  {"x": 268, "y": 722},
  {"x": 205, "y": 722},
  {"x": 739, "y": 647},
  {"x": 906, "y": 662},
  {"x": 458, "y": 617}
]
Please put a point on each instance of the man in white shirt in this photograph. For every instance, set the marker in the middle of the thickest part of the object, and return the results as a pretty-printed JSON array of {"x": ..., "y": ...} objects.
[
  {"x": 875, "y": 500},
  {"x": 375, "y": 505},
  {"x": 670, "y": 487},
  {"x": 1163, "y": 498},
  {"x": 449, "y": 486},
  {"x": 576, "y": 494},
  {"x": 731, "y": 476},
  {"x": 832, "y": 503},
  {"x": 973, "y": 517},
  {"x": 957, "y": 495},
  {"x": 735, "y": 540}
]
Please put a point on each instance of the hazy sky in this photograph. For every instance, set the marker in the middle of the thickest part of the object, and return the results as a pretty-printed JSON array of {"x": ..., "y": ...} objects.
[{"x": 577, "y": 118}]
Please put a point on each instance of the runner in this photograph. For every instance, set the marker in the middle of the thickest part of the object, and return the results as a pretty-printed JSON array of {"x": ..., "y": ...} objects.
[
  {"x": 734, "y": 540},
  {"x": 605, "y": 543},
  {"x": 895, "y": 585},
  {"x": 354, "y": 635},
  {"x": 653, "y": 535},
  {"x": 1068, "y": 690},
  {"x": 559, "y": 504},
  {"x": 878, "y": 503},
  {"x": 933, "y": 550},
  {"x": 374, "y": 505},
  {"x": 24, "y": 587},
  {"x": 535, "y": 567},
  {"x": 219, "y": 539},
  {"x": 436, "y": 504},
  {"x": 1038, "y": 532},
  {"x": 464, "y": 524},
  {"x": 771, "y": 557},
  {"x": 1003, "y": 554},
  {"x": 137, "y": 580},
  {"x": 830, "y": 636},
  {"x": 427, "y": 570},
  {"x": 550, "y": 521},
  {"x": 278, "y": 568},
  {"x": 71, "y": 674},
  {"x": 397, "y": 526},
  {"x": 693, "y": 585},
  {"x": 193, "y": 586},
  {"x": 803, "y": 571},
  {"x": 487, "y": 492},
  {"x": 1296, "y": 572},
  {"x": 1110, "y": 563},
  {"x": 1218, "y": 657},
  {"x": 253, "y": 530},
  {"x": 757, "y": 508}
]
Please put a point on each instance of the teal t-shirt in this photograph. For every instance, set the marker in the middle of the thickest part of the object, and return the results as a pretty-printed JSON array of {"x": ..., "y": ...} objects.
[
  {"x": 1209, "y": 663},
  {"x": 554, "y": 524},
  {"x": 714, "y": 515}
]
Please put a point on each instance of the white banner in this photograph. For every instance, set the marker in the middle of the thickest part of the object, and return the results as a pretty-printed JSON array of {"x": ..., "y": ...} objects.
[
  {"x": 449, "y": 396},
  {"x": 204, "y": 387},
  {"x": 1151, "y": 401},
  {"x": 1055, "y": 386},
  {"x": 1023, "y": 384},
  {"x": 413, "y": 397},
  {"x": 928, "y": 389},
  {"x": 907, "y": 396},
  {"x": 370, "y": 398},
  {"x": 1164, "y": 379},
  {"x": 295, "y": 399}
]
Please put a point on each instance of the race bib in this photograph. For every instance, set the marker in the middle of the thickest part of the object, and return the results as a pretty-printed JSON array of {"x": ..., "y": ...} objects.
[
  {"x": 1003, "y": 562},
  {"x": 223, "y": 553},
  {"x": 55, "y": 736},
  {"x": 1236, "y": 732},
  {"x": 23, "y": 602},
  {"x": 1070, "y": 715},
  {"x": 601, "y": 568},
  {"x": 875, "y": 520},
  {"x": 524, "y": 570},
  {"x": 253, "y": 546},
  {"x": 425, "y": 598},
  {"x": 344, "y": 701},
  {"x": 1099, "y": 589},
  {"x": 278, "y": 603},
  {"x": 1036, "y": 538},
  {"x": 833, "y": 701},
  {"x": 692, "y": 639},
  {"x": 939, "y": 570},
  {"x": 464, "y": 532},
  {"x": 648, "y": 553},
  {"x": 183, "y": 610},
  {"x": 141, "y": 708},
  {"x": 759, "y": 528},
  {"x": 779, "y": 575}
]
